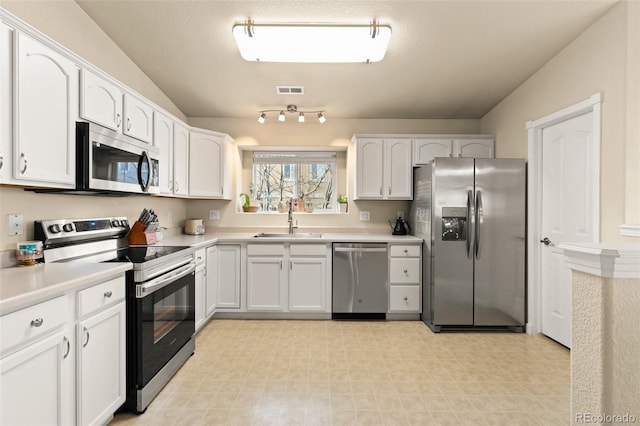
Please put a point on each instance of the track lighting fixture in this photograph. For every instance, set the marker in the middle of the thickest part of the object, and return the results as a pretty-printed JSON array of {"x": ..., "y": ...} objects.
[{"x": 291, "y": 109}]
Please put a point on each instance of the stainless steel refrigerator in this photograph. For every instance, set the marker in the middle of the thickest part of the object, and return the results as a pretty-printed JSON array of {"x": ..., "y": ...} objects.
[{"x": 471, "y": 215}]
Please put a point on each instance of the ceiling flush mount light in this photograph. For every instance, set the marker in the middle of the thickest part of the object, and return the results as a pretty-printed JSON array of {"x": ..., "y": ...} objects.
[
  {"x": 312, "y": 42},
  {"x": 291, "y": 109}
]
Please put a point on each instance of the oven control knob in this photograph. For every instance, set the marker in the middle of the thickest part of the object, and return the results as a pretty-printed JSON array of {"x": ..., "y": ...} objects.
[
  {"x": 67, "y": 227},
  {"x": 124, "y": 223},
  {"x": 115, "y": 223},
  {"x": 54, "y": 229}
]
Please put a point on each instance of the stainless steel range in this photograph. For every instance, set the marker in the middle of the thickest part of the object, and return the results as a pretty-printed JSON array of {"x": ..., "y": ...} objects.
[{"x": 160, "y": 296}]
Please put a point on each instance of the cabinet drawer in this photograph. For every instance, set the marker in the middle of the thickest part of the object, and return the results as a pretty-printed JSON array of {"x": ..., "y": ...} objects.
[
  {"x": 308, "y": 250},
  {"x": 99, "y": 296},
  {"x": 404, "y": 251},
  {"x": 404, "y": 270},
  {"x": 25, "y": 324},
  {"x": 200, "y": 256},
  {"x": 265, "y": 249},
  {"x": 404, "y": 298}
]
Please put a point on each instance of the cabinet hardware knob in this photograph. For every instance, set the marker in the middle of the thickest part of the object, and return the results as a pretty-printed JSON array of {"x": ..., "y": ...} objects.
[
  {"x": 406, "y": 251},
  {"x": 389, "y": 190},
  {"x": 118, "y": 120},
  {"x": 108, "y": 293},
  {"x": 405, "y": 271},
  {"x": 381, "y": 191},
  {"x": 406, "y": 299},
  {"x": 128, "y": 124},
  {"x": 37, "y": 322},
  {"x": 546, "y": 241},
  {"x": 1, "y": 160}
]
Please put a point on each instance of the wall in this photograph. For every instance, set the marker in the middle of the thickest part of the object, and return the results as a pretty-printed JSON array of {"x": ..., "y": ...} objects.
[
  {"x": 65, "y": 22},
  {"x": 334, "y": 133},
  {"x": 596, "y": 61}
]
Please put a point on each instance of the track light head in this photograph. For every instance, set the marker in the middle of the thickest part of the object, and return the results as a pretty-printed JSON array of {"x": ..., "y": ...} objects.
[
  {"x": 321, "y": 118},
  {"x": 281, "y": 116},
  {"x": 301, "y": 117},
  {"x": 262, "y": 118}
]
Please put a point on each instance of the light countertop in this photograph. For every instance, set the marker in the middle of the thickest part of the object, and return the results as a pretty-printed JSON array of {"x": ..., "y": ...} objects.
[{"x": 22, "y": 286}]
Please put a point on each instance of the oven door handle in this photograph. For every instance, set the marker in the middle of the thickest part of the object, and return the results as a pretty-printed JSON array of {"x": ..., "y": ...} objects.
[{"x": 143, "y": 290}]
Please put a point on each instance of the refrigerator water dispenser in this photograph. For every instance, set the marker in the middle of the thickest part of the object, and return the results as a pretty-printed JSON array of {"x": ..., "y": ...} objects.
[{"x": 454, "y": 224}]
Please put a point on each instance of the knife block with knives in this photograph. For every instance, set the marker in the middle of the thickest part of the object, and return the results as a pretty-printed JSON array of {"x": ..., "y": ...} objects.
[{"x": 143, "y": 231}]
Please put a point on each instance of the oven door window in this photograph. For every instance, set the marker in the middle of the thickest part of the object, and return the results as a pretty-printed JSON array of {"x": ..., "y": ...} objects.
[{"x": 166, "y": 322}]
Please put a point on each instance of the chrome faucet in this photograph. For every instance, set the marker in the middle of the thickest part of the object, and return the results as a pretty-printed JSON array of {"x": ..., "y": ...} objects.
[{"x": 290, "y": 217}]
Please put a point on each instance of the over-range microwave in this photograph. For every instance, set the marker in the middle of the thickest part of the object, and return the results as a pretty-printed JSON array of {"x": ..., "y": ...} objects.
[{"x": 107, "y": 161}]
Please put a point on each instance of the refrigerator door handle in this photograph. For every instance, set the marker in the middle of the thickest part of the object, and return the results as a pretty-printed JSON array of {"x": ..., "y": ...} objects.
[
  {"x": 479, "y": 218},
  {"x": 470, "y": 219}
]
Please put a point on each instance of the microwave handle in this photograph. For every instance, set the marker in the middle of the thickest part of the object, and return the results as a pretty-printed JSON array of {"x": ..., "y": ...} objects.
[{"x": 144, "y": 158}]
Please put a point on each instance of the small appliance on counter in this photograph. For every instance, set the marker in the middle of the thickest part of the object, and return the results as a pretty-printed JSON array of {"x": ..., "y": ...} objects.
[
  {"x": 194, "y": 226},
  {"x": 400, "y": 228}
]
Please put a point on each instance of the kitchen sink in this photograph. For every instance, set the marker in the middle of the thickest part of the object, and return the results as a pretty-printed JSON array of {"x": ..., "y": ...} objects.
[{"x": 295, "y": 235}]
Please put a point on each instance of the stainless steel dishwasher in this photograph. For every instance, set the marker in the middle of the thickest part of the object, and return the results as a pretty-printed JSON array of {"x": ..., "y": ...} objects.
[{"x": 360, "y": 281}]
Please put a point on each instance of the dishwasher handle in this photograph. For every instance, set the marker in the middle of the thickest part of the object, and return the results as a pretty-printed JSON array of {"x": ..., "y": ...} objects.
[{"x": 360, "y": 249}]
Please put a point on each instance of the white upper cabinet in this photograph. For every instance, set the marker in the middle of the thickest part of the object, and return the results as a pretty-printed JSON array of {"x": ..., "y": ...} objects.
[
  {"x": 426, "y": 149},
  {"x": 107, "y": 104},
  {"x": 383, "y": 169},
  {"x": 6, "y": 101},
  {"x": 474, "y": 148},
  {"x": 101, "y": 101},
  {"x": 180, "y": 160},
  {"x": 138, "y": 118},
  {"x": 207, "y": 164},
  {"x": 163, "y": 139},
  {"x": 46, "y": 109}
]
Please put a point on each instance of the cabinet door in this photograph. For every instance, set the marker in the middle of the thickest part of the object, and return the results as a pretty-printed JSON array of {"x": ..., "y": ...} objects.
[
  {"x": 404, "y": 298},
  {"x": 36, "y": 385},
  {"x": 425, "y": 150},
  {"x": 206, "y": 165},
  {"x": 307, "y": 284},
  {"x": 200, "y": 308},
  {"x": 180, "y": 160},
  {"x": 100, "y": 101},
  {"x": 474, "y": 148},
  {"x": 46, "y": 110},
  {"x": 163, "y": 139},
  {"x": 138, "y": 118},
  {"x": 266, "y": 287},
  {"x": 369, "y": 170},
  {"x": 101, "y": 365},
  {"x": 223, "y": 277},
  {"x": 6, "y": 101},
  {"x": 398, "y": 171}
]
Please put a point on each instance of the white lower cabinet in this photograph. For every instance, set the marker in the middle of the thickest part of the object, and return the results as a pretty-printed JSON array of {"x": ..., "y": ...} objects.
[
  {"x": 404, "y": 278},
  {"x": 223, "y": 278},
  {"x": 64, "y": 359},
  {"x": 266, "y": 284},
  {"x": 101, "y": 365},
  {"x": 36, "y": 383},
  {"x": 307, "y": 284},
  {"x": 404, "y": 298}
]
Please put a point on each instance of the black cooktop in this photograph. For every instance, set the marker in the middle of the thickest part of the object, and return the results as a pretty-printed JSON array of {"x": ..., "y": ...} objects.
[{"x": 141, "y": 254}]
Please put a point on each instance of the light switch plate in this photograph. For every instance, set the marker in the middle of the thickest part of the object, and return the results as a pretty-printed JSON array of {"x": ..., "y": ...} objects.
[
  {"x": 16, "y": 224},
  {"x": 365, "y": 216},
  {"x": 170, "y": 216},
  {"x": 214, "y": 214}
]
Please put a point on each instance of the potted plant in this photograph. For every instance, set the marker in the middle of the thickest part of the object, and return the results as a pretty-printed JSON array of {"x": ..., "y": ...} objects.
[
  {"x": 246, "y": 206},
  {"x": 343, "y": 203}
]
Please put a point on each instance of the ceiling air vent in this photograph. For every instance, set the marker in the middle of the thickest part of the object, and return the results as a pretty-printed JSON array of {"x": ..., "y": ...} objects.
[{"x": 290, "y": 90}]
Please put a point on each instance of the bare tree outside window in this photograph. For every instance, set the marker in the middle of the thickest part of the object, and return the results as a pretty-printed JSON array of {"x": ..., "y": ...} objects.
[{"x": 308, "y": 179}]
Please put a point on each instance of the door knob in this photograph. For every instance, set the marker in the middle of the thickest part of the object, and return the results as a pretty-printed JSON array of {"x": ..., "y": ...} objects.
[{"x": 546, "y": 241}]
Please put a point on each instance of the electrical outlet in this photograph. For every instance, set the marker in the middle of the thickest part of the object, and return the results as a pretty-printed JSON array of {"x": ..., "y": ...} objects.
[
  {"x": 16, "y": 224},
  {"x": 365, "y": 216},
  {"x": 170, "y": 216},
  {"x": 214, "y": 214},
  {"x": 400, "y": 214}
]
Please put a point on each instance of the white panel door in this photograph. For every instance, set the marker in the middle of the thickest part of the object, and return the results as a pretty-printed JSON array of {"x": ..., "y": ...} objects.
[
  {"x": 100, "y": 101},
  {"x": 180, "y": 160},
  {"x": 398, "y": 169},
  {"x": 223, "y": 277},
  {"x": 163, "y": 139},
  {"x": 369, "y": 168},
  {"x": 6, "y": 101},
  {"x": 567, "y": 188},
  {"x": 206, "y": 165},
  {"x": 266, "y": 287},
  {"x": 474, "y": 148},
  {"x": 101, "y": 367},
  {"x": 36, "y": 386},
  {"x": 138, "y": 119},
  {"x": 425, "y": 150},
  {"x": 46, "y": 110},
  {"x": 307, "y": 284}
]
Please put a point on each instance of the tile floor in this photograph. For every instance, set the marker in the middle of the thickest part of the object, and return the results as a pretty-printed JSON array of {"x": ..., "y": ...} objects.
[{"x": 271, "y": 372}]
